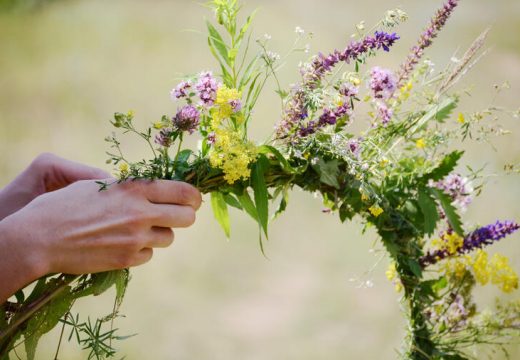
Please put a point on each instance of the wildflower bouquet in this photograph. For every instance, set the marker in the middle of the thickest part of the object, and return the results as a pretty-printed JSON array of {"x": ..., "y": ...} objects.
[{"x": 398, "y": 175}]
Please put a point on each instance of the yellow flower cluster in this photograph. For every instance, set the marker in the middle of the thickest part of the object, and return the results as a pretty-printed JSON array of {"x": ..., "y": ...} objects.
[
  {"x": 232, "y": 154},
  {"x": 497, "y": 270},
  {"x": 449, "y": 242},
  {"x": 375, "y": 210},
  {"x": 391, "y": 275},
  {"x": 223, "y": 108}
]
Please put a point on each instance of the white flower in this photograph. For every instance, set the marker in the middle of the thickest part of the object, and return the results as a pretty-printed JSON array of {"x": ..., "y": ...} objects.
[
  {"x": 272, "y": 56},
  {"x": 307, "y": 48},
  {"x": 267, "y": 37},
  {"x": 298, "y": 30}
]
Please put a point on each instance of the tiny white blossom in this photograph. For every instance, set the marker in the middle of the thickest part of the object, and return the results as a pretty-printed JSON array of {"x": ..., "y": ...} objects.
[
  {"x": 272, "y": 56},
  {"x": 455, "y": 60},
  {"x": 267, "y": 37},
  {"x": 307, "y": 48},
  {"x": 298, "y": 30}
]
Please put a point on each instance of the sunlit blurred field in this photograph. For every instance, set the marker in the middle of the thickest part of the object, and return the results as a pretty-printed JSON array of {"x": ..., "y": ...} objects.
[{"x": 66, "y": 67}]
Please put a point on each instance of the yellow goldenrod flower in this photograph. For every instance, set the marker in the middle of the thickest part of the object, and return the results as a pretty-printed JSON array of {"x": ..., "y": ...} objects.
[
  {"x": 461, "y": 119},
  {"x": 502, "y": 274},
  {"x": 375, "y": 210},
  {"x": 421, "y": 144},
  {"x": 130, "y": 113},
  {"x": 481, "y": 268},
  {"x": 232, "y": 154}
]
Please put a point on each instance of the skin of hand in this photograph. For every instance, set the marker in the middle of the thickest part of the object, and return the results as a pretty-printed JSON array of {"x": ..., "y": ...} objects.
[
  {"x": 79, "y": 229},
  {"x": 46, "y": 173}
]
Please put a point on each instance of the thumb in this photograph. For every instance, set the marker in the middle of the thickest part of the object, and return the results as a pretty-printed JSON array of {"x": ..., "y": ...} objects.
[{"x": 62, "y": 172}]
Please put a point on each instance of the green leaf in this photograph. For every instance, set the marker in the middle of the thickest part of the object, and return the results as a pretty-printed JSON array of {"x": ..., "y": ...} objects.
[
  {"x": 248, "y": 73},
  {"x": 437, "y": 112},
  {"x": 283, "y": 202},
  {"x": 328, "y": 171},
  {"x": 121, "y": 284},
  {"x": 284, "y": 164},
  {"x": 260, "y": 191},
  {"x": 216, "y": 40},
  {"x": 244, "y": 28},
  {"x": 415, "y": 267},
  {"x": 446, "y": 166},
  {"x": 449, "y": 210},
  {"x": 45, "y": 320},
  {"x": 220, "y": 210},
  {"x": 429, "y": 211},
  {"x": 248, "y": 205},
  {"x": 440, "y": 284},
  {"x": 231, "y": 200}
]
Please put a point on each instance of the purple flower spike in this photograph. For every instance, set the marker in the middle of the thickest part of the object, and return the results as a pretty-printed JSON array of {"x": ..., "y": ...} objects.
[
  {"x": 164, "y": 138},
  {"x": 478, "y": 239},
  {"x": 426, "y": 39},
  {"x": 187, "y": 119},
  {"x": 292, "y": 126}
]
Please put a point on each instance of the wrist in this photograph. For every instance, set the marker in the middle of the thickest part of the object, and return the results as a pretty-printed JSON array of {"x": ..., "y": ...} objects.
[{"x": 27, "y": 261}]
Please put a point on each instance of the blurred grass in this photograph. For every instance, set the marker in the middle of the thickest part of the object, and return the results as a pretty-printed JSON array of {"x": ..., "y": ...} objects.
[{"x": 66, "y": 67}]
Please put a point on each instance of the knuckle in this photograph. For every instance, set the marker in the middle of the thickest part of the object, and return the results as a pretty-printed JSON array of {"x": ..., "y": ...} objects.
[
  {"x": 44, "y": 159},
  {"x": 190, "y": 217},
  {"x": 123, "y": 261}
]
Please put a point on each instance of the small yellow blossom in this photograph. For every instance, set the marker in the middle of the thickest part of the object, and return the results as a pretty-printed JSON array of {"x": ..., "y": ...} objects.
[
  {"x": 364, "y": 197},
  {"x": 461, "y": 119},
  {"x": 158, "y": 125},
  {"x": 391, "y": 272},
  {"x": 123, "y": 168},
  {"x": 130, "y": 113},
  {"x": 375, "y": 210},
  {"x": 421, "y": 144},
  {"x": 383, "y": 162}
]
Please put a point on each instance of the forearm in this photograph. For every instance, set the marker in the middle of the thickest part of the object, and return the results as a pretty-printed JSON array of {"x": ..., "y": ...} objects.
[{"x": 19, "y": 263}]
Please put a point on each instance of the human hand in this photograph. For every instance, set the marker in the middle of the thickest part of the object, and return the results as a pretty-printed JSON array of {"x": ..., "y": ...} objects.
[
  {"x": 80, "y": 229},
  {"x": 46, "y": 173}
]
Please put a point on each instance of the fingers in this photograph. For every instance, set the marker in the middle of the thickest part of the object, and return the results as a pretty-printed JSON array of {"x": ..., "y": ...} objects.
[
  {"x": 160, "y": 237},
  {"x": 142, "y": 257},
  {"x": 173, "y": 216},
  {"x": 173, "y": 192}
]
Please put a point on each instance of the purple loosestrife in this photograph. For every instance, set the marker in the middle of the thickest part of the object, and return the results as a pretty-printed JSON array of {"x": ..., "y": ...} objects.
[
  {"x": 426, "y": 39},
  {"x": 478, "y": 239},
  {"x": 207, "y": 88},
  {"x": 329, "y": 117},
  {"x": 296, "y": 110},
  {"x": 187, "y": 119}
]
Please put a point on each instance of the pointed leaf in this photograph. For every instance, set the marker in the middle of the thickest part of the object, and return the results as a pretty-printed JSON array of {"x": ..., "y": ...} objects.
[
  {"x": 260, "y": 191},
  {"x": 429, "y": 211},
  {"x": 220, "y": 210},
  {"x": 449, "y": 210}
]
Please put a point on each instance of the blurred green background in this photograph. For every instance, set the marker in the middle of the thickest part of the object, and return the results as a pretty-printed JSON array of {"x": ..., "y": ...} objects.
[{"x": 67, "y": 66}]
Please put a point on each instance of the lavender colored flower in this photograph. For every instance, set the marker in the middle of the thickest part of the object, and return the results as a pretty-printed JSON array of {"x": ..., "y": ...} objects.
[
  {"x": 478, "y": 239},
  {"x": 207, "y": 88},
  {"x": 329, "y": 117},
  {"x": 384, "y": 113},
  {"x": 354, "y": 146},
  {"x": 426, "y": 39},
  {"x": 163, "y": 138},
  {"x": 181, "y": 90},
  {"x": 382, "y": 82},
  {"x": 458, "y": 188},
  {"x": 348, "y": 90},
  {"x": 187, "y": 119},
  {"x": 296, "y": 111},
  {"x": 236, "y": 105}
]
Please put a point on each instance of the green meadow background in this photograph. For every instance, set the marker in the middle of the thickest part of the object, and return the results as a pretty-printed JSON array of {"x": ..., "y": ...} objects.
[{"x": 67, "y": 66}]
